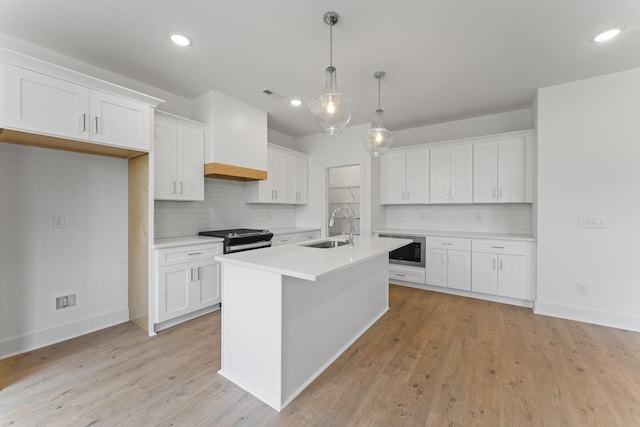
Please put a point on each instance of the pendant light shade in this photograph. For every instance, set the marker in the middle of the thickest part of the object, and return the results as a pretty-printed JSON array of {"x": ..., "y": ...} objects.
[
  {"x": 377, "y": 140},
  {"x": 331, "y": 110}
]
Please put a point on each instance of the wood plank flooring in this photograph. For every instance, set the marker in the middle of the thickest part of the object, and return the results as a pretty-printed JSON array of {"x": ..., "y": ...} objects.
[{"x": 432, "y": 360}]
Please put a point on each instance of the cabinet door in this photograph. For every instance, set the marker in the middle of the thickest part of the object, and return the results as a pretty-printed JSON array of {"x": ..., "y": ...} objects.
[
  {"x": 485, "y": 172},
  {"x": 190, "y": 163},
  {"x": 173, "y": 291},
  {"x": 300, "y": 180},
  {"x": 440, "y": 175},
  {"x": 417, "y": 176},
  {"x": 43, "y": 104},
  {"x": 393, "y": 183},
  {"x": 119, "y": 121},
  {"x": 511, "y": 170},
  {"x": 436, "y": 267},
  {"x": 165, "y": 167},
  {"x": 206, "y": 291},
  {"x": 289, "y": 185},
  {"x": 278, "y": 172},
  {"x": 462, "y": 174},
  {"x": 512, "y": 276},
  {"x": 484, "y": 273},
  {"x": 459, "y": 270}
]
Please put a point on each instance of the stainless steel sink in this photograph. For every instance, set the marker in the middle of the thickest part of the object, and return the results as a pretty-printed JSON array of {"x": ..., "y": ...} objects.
[{"x": 325, "y": 244}]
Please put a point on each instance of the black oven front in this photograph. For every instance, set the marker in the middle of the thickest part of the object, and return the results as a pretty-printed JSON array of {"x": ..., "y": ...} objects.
[{"x": 411, "y": 254}]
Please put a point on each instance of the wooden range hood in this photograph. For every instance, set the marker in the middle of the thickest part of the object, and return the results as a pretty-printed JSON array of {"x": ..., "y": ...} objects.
[{"x": 235, "y": 173}]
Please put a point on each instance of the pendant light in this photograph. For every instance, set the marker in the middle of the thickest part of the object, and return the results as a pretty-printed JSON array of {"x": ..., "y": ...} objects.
[
  {"x": 331, "y": 110},
  {"x": 377, "y": 139}
]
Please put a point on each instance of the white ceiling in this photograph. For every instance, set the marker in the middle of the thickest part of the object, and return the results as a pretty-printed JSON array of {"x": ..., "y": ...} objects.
[{"x": 445, "y": 59}]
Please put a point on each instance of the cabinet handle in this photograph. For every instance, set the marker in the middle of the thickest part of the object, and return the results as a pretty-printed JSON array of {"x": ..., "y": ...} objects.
[
  {"x": 408, "y": 196},
  {"x": 198, "y": 271},
  {"x": 447, "y": 244},
  {"x": 180, "y": 187},
  {"x": 494, "y": 263},
  {"x": 84, "y": 122},
  {"x": 446, "y": 194},
  {"x": 500, "y": 265},
  {"x": 174, "y": 187},
  {"x": 276, "y": 194},
  {"x": 453, "y": 193},
  {"x": 399, "y": 274},
  {"x": 191, "y": 274},
  {"x": 497, "y": 247},
  {"x": 443, "y": 260},
  {"x": 194, "y": 253},
  {"x": 96, "y": 124}
]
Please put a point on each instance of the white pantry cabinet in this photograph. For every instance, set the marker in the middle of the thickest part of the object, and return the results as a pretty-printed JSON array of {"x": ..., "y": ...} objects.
[
  {"x": 451, "y": 174},
  {"x": 286, "y": 181},
  {"x": 448, "y": 262},
  {"x": 178, "y": 158},
  {"x": 188, "y": 280},
  {"x": 499, "y": 171},
  {"x": 404, "y": 177},
  {"x": 502, "y": 268},
  {"x": 39, "y": 103}
]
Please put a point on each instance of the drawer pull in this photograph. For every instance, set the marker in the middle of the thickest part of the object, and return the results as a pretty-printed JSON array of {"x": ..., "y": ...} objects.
[
  {"x": 447, "y": 243},
  {"x": 497, "y": 247},
  {"x": 194, "y": 253},
  {"x": 399, "y": 274}
]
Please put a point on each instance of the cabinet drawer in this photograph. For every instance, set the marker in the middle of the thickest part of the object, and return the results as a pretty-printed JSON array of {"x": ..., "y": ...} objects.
[
  {"x": 303, "y": 237},
  {"x": 512, "y": 247},
  {"x": 449, "y": 243},
  {"x": 283, "y": 239},
  {"x": 182, "y": 254},
  {"x": 407, "y": 274}
]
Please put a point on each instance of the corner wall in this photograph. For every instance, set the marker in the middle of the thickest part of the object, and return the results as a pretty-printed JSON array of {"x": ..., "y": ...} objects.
[{"x": 588, "y": 166}]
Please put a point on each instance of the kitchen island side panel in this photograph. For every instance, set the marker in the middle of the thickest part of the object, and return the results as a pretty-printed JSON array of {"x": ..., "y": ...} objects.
[
  {"x": 252, "y": 331},
  {"x": 322, "y": 319}
]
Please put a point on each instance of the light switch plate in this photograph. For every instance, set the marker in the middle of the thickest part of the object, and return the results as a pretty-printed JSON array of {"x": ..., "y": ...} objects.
[{"x": 592, "y": 222}]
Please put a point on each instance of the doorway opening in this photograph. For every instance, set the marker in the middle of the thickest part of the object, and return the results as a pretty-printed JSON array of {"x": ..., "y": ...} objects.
[{"x": 344, "y": 192}]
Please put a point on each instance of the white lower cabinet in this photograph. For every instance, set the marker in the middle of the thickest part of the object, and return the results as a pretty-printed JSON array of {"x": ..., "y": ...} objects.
[
  {"x": 501, "y": 268},
  {"x": 407, "y": 273},
  {"x": 188, "y": 280},
  {"x": 448, "y": 263}
]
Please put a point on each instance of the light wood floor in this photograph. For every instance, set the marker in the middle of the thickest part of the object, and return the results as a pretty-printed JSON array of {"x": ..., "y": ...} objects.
[{"x": 432, "y": 360}]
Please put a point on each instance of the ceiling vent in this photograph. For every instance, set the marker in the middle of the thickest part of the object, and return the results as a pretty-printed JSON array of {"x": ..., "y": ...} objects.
[{"x": 271, "y": 94}]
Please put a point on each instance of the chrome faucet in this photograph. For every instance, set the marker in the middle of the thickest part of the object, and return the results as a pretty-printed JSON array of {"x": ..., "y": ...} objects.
[{"x": 350, "y": 217}]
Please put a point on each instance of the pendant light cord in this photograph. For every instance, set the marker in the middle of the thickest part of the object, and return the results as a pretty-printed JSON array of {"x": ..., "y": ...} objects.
[
  {"x": 331, "y": 45},
  {"x": 379, "y": 92}
]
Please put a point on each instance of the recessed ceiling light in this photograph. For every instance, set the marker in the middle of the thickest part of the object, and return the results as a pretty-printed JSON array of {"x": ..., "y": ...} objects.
[
  {"x": 607, "y": 35},
  {"x": 180, "y": 40},
  {"x": 295, "y": 102}
]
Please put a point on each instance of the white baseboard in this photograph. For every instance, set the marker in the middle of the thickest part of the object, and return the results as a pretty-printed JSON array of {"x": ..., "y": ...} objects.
[
  {"x": 45, "y": 337},
  {"x": 587, "y": 315}
]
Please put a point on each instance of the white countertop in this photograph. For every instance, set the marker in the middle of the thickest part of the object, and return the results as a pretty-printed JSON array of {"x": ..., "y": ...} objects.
[
  {"x": 467, "y": 234},
  {"x": 286, "y": 230},
  {"x": 171, "y": 242},
  {"x": 311, "y": 263}
]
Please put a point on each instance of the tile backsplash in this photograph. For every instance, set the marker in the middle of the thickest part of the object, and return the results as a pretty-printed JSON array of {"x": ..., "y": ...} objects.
[
  {"x": 223, "y": 207},
  {"x": 489, "y": 218}
]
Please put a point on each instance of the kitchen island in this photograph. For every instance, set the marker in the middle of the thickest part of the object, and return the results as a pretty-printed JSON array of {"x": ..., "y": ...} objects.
[{"x": 289, "y": 311}]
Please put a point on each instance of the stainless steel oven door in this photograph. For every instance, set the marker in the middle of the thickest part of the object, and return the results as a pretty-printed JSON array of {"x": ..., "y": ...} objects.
[{"x": 411, "y": 254}]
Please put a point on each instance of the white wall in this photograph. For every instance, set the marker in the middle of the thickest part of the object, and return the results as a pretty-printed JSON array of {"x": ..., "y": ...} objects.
[
  {"x": 279, "y": 138},
  {"x": 588, "y": 165},
  {"x": 88, "y": 257},
  {"x": 466, "y": 128}
]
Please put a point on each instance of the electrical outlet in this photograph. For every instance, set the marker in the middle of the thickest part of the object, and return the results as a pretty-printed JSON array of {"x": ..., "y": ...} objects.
[
  {"x": 582, "y": 289},
  {"x": 65, "y": 302},
  {"x": 592, "y": 222},
  {"x": 58, "y": 221}
]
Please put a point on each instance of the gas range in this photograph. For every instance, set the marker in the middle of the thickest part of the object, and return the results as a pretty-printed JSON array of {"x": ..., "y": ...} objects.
[{"x": 241, "y": 239}]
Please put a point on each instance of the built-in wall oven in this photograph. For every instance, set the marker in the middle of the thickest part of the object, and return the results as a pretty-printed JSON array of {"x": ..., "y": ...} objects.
[{"x": 411, "y": 254}]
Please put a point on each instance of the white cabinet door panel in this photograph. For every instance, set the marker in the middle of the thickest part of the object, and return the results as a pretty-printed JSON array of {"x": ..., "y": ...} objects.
[
  {"x": 485, "y": 172},
  {"x": 461, "y": 174},
  {"x": 173, "y": 291},
  {"x": 393, "y": 181},
  {"x": 207, "y": 291},
  {"x": 511, "y": 173},
  {"x": 165, "y": 167},
  {"x": 512, "y": 276},
  {"x": 417, "y": 180},
  {"x": 440, "y": 175},
  {"x": 436, "y": 267},
  {"x": 191, "y": 161},
  {"x": 484, "y": 276},
  {"x": 119, "y": 121},
  {"x": 459, "y": 270},
  {"x": 43, "y": 104}
]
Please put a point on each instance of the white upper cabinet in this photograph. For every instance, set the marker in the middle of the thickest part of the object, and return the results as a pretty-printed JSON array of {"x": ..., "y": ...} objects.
[
  {"x": 404, "y": 177},
  {"x": 286, "y": 181},
  {"x": 38, "y": 103},
  {"x": 451, "y": 178},
  {"x": 499, "y": 171},
  {"x": 178, "y": 158}
]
